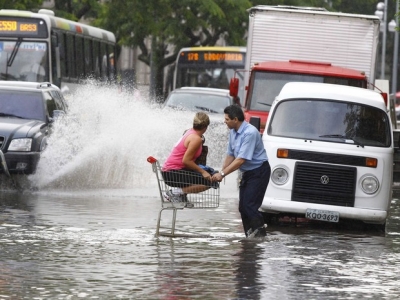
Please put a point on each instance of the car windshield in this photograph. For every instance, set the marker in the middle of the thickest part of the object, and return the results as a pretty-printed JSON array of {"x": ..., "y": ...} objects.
[
  {"x": 198, "y": 102},
  {"x": 331, "y": 121},
  {"x": 21, "y": 105}
]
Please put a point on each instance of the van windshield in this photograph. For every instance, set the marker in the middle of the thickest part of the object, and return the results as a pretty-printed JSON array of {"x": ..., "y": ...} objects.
[{"x": 331, "y": 121}]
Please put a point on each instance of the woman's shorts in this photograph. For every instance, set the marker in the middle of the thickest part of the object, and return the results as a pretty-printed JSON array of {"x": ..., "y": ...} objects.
[{"x": 183, "y": 178}]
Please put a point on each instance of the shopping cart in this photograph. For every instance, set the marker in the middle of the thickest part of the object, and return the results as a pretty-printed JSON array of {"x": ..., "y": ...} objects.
[{"x": 206, "y": 199}]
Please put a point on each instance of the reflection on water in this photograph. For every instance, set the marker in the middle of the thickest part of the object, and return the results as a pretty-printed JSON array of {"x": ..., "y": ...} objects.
[
  {"x": 62, "y": 245},
  {"x": 248, "y": 275},
  {"x": 88, "y": 231}
]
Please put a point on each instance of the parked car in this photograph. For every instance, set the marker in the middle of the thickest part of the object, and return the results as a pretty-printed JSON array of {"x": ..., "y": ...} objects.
[
  {"x": 209, "y": 100},
  {"x": 27, "y": 111}
]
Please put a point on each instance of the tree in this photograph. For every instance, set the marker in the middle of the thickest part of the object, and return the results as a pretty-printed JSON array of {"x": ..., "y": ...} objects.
[
  {"x": 188, "y": 23},
  {"x": 181, "y": 24},
  {"x": 170, "y": 25},
  {"x": 75, "y": 10},
  {"x": 19, "y": 4}
]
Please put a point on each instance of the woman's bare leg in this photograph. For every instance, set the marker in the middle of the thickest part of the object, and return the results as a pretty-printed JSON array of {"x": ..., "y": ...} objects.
[{"x": 195, "y": 189}]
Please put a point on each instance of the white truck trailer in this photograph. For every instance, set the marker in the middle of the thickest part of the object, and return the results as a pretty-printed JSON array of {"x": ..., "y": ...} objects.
[{"x": 288, "y": 43}]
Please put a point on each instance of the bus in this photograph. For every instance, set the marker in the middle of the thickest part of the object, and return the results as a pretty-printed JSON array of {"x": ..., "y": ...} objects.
[
  {"x": 41, "y": 47},
  {"x": 208, "y": 66}
]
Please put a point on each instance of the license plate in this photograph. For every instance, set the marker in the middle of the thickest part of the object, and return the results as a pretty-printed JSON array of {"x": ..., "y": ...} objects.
[{"x": 322, "y": 215}]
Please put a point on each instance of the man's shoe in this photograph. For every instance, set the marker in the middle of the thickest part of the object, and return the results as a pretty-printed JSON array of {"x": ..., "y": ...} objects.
[{"x": 259, "y": 232}]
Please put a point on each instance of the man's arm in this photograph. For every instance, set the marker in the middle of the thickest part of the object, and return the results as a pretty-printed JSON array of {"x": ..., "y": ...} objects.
[{"x": 231, "y": 164}]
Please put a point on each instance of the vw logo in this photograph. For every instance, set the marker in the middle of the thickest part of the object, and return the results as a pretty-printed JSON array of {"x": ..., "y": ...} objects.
[{"x": 324, "y": 179}]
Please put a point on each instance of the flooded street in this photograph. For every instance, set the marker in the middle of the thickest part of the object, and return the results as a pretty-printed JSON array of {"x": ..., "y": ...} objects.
[{"x": 84, "y": 226}]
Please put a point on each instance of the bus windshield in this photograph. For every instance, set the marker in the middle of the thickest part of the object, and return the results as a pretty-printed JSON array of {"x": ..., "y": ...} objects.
[
  {"x": 23, "y": 61},
  {"x": 205, "y": 77},
  {"x": 208, "y": 66},
  {"x": 267, "y": 85},
  {"x": 331, "y": 121}
]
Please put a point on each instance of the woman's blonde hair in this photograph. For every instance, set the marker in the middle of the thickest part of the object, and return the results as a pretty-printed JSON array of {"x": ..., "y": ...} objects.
[{"x": 201, "y": 121}]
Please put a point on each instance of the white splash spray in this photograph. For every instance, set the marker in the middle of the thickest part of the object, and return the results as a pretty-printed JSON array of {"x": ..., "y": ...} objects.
[{"x": 106, "y": 137}]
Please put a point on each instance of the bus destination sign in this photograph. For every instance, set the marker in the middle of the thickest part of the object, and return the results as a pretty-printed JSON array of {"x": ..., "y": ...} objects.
[
  {"x": 22, "y": 27},
  {"x": 212, "y": 57}
]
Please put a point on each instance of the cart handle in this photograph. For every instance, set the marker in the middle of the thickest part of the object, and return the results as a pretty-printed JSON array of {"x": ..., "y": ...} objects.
[{"x": 151, "y": 159}]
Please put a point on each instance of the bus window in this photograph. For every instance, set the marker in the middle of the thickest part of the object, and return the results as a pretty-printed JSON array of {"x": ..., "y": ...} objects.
[
  {"x": 62, "y": 40},
  {"x": 70, "y": 56},
  {"x": 80, "y": 69},
  {"x": 88, "y": 57},
  {"x": 104, "y": 62},
  {"x": 96, "y": 59},
  {"x": 111, "y": 62}
]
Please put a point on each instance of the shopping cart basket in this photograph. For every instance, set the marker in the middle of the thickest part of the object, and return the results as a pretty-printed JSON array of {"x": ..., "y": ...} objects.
[{"x": 206, "y": 199}]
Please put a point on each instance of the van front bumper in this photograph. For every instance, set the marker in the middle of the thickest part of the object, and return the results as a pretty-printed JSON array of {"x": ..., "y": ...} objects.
[{"x": 283, "y": 207}]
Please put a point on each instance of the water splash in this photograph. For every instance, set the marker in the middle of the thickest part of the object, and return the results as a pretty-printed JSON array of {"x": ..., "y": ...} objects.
[{"x": 106, "y": 137}]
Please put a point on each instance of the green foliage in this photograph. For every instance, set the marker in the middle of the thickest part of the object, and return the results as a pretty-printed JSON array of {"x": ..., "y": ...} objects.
[
  {"x": 159, "y": 28},
  {"x": 31, "y": 5},
  {"x": 172, "y": 25},
  {"x": 181, "y": 23},
  {"x": 77, "y": 9}
]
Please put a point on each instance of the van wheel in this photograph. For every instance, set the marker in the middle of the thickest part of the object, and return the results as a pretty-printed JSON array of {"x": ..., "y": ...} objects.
[
  {"x": 270, "y": 218},
  {"x": 375, "y": 227}
]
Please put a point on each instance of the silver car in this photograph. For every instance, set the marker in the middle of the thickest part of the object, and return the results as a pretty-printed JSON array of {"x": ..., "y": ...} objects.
[{"x": 209, "y": 100}]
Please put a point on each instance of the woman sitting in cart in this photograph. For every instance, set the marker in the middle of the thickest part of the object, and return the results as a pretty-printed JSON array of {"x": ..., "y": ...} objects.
[{"x": 180, "y": 170}]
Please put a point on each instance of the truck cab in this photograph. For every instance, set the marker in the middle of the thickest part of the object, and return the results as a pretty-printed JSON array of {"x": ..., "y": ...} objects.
[{"x": 268, "y": 78}]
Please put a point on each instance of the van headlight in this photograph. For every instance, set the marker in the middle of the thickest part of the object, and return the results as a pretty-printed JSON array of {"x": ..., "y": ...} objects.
[
  {"x": 279, "y": 176},
  {"x": 20, "y": 145},
  {"x": 369, "y": 184}
]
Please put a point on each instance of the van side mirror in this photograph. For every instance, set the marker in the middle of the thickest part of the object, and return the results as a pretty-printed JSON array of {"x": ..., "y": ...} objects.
[{"x": 234, "y": 87}]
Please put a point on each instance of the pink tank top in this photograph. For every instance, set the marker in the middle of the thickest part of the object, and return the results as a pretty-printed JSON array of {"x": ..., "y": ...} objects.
[{"x": 174, "y": 160}]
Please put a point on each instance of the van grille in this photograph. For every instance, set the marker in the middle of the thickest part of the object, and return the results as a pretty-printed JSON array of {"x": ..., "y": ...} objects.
[
  {"x": 308, "y": 186},
  {"x": 329, "y": 158}
]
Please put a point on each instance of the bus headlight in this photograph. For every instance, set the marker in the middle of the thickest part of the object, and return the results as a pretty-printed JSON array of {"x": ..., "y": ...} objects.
[
  {"x": 20, "y": 145},
  {"x": 369, "y": 184},
  {"x": 279, "y": 176}
]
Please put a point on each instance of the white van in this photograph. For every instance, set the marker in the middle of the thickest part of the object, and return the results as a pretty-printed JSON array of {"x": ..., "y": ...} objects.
[{"x": 330, "y": 148}]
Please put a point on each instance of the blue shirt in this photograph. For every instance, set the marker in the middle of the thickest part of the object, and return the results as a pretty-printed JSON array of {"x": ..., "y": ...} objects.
[{"x": 246, "y": 143}]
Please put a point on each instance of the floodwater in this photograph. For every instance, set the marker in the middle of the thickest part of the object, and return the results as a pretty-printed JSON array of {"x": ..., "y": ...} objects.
[{"x": 84, "y": 226}]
